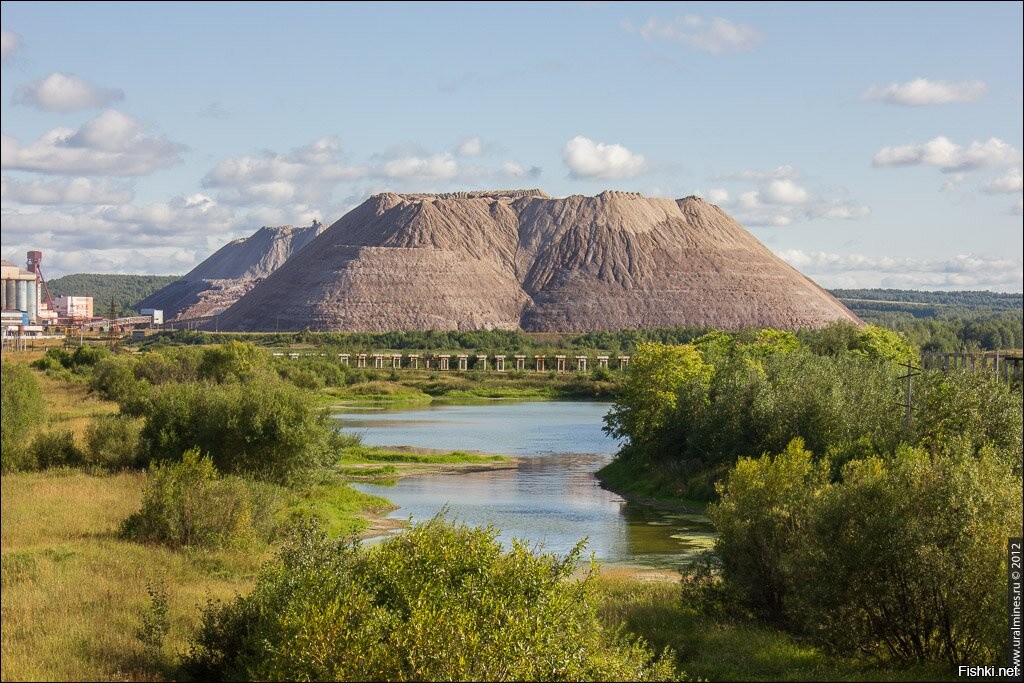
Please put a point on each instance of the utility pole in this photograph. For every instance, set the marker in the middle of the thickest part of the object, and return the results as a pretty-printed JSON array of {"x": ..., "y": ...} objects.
[{"x": 910, "y": 374}]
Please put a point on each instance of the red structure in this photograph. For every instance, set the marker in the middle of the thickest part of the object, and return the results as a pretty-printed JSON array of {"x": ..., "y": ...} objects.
[{"x": 34, "y": 259}]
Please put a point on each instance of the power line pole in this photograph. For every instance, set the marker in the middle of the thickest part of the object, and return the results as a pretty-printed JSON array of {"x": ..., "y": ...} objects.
[{"x": 908, "y": 405}]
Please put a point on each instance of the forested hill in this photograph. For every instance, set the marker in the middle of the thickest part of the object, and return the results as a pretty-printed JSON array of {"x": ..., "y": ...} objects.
[
  {"x": 125, "y": 290},
  {"x": 924, "y": 304}
]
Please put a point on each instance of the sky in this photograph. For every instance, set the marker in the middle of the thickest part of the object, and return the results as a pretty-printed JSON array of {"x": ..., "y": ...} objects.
[{"x": 867, "y": 144}]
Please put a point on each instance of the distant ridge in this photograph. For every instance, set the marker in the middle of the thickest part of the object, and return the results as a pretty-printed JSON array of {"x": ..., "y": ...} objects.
[
  {"x": 231, "y": 271},
  {"x": 519, "y": 259}
]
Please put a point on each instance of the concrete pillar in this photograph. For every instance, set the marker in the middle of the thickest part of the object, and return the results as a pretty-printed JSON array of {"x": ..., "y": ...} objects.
[
  {"x": 602, "y": 361},
  {"x": 414, "y": 360},
  {"x": 520, "y": 363},
  {"x": 444, "y": 361},
  {"x": 378, "y": 361},
  {"x": 538, "y": 363},
  {"x": 361, "y": 360},
  {"x": 499, "y": 363},
  {"x": 344, "y": 358},
  {"x": 396, "y": 360},
  {"x": 463, "y": 362},
  {"x": 560, "y": 363},
  {"x": 623, "y": 362},
  {"x": 581, "y": 363},
  {"x": 21, "y": 299},
  {"x": 481, "y": 362}
]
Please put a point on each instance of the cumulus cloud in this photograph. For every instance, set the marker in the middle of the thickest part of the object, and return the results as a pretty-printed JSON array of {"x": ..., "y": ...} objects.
[
  {"x": 434, "y": 167},
  {"x": 9, "y": 44},
  {"x": 948, "y": 156},
  {"x": 1008, "y": 183},
  {"x": 305, "y": 174},
  {"x": 785, "y": 192},
  {"x": 181, "y": 222},
  {"x": 112, "y": 143},
  {"x": 471, "y": 147},
  {"x": 921, "y": 91},
  {"x": 785, "y": 172},
  {"x": 65, "y": 191},
  {"x": 964, "y": 271},
  {"x": 716, "y": 36},
  {"x": 779, "y": 201},
  {"x": 589, "y": 160},
  {"x": 62, "y": 92}
]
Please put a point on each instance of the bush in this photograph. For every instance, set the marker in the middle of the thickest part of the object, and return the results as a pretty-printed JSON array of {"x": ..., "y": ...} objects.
[
  {"x": 114, "y": 442},
  {"x": 21, "y": 410},
  {"x": 188, "y": 504},
  {"x": 440, "y": 602},
  {"x": 55, "y": 449},
  {"x": 763, "y": 514},
  {"x": 907, "y": 557},
  {"x": 904, "y": 556},
  {"x": 264, "y": 428}
]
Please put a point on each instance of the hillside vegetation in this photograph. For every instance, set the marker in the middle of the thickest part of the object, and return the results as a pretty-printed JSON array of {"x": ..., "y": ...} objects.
[{"x": 125, "y": 290}]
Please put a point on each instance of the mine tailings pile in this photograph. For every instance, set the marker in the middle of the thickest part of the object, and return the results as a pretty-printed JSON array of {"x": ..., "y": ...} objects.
[{"x": 522, "y": 260}]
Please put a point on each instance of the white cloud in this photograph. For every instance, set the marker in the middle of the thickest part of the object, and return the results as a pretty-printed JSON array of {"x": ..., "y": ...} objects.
[
  {"x": 112, "y": 144},
  {"x": 785, "y": 192},
  {"x": 471, "y": 147},
  {"x": 921, "y": 91},
  {"x": 587, "y": 159},
  {"x": 180, "y": 222},
  {"x": 946, "y": 155},
  {"x": 965, "y": 271},
  {"x": 9, "y": 44},
  {"x": 66, "y": 92},
  {"x": 65, "y": 191},
  {"x": 1008, "y": 183},
  {"x": 785, "y": 172},
  {"x": 305, "y": 174},
  {"x": 434, "y": 167},
  {"x": 718, "y": 195},
  {"x": 717, "y": 36}
]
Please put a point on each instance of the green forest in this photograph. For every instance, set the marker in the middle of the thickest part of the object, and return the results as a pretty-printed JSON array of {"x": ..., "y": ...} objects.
[{"x": 126, "y": 291}]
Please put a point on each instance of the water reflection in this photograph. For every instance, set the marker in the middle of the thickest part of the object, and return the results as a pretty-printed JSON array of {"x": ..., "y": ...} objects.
[{"x": 551, "y": 499}]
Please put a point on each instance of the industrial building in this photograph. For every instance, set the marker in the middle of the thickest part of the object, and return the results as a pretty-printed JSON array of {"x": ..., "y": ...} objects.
[{"x": 20, "y": 291}]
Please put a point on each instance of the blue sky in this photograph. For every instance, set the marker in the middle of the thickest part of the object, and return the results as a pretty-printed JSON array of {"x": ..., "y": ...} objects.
[{"x": 867, "y": 144}]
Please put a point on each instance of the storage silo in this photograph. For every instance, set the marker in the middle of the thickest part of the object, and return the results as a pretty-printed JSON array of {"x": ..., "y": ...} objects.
[
  {"x": 32, "y": 297},
  {"x": 21, "y": 299}
]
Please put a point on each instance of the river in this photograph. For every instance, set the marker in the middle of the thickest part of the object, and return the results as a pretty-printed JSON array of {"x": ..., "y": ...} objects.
[{"x": 551, "y": 500}]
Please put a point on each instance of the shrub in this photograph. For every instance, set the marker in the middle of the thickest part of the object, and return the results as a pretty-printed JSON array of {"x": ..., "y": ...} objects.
[
  {"x": 904, "y": 556},
  {"x": 21, "y": 410},
  {"x": 761, "y": 518},
  {"x": 55, "y": 449},
  {"x": 265, "y": 428},
  {"x": 907, "y": 557},
  {"x": 113, "y": 442},
  {"x": 188, "y": 504},
  {"x": 440, "y": 602}
]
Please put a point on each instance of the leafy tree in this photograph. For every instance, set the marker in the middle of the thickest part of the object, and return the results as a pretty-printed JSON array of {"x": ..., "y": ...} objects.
[
  {"x": 658, "y": 373},
  {"x": 21, "y": 412},
  {"x": 907, "y": 557},
  {"x": 764, "y": 512}
]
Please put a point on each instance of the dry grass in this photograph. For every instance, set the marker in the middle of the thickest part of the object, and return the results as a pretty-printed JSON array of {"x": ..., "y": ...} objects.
[{"x": 74, "y": 593}]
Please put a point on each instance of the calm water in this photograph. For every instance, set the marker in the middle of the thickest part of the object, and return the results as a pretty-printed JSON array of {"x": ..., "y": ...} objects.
[{"x": 551, "y": 499}]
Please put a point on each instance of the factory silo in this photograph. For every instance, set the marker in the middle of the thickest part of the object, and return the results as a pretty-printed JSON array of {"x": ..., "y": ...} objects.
[
  {"x": 11, "y": 290},
  {"x": 32, "y": 299},
  {"x": 21, "y": 298}
]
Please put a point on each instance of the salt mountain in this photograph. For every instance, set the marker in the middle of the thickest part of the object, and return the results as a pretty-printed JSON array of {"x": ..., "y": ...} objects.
[
  {"x": 523, "y": 260},
  {"x": 230, "y": 272}
]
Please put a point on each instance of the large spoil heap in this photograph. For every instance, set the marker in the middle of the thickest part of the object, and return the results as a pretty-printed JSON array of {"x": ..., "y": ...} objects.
[
  {"x": 523, "y": 260},
  {"x": 230, "y": 272}
]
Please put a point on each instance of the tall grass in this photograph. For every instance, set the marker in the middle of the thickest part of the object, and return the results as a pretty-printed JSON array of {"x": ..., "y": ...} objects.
[{"x": 74, "y": 593}]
